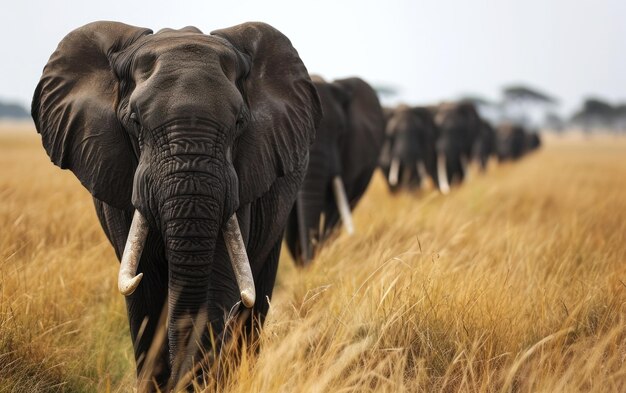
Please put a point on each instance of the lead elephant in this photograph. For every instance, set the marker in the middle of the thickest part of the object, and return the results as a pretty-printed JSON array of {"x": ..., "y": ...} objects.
[
  {"x": 459, "y": 125},
  {"x": 408, "y": 155},
  {"x": 343, "y": 159},
  {"x": 193, "y": 147}
]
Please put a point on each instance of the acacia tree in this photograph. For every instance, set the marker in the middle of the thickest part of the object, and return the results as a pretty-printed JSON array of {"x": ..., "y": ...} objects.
[
  {"x": 599, "y": 113},
  {"x": 526, "y": 106}
]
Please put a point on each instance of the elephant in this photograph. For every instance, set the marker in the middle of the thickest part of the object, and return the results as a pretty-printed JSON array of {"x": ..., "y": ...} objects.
[
  {"x": 342, "y": 161},
  {"x": 459, "y": 126},
  {"x": 408, "y": 155},
  {"x": 533, "y": 141},
  {"x": 193, "y": 148},
  {"x": 485, "y": 145},
  {"x": 510, "y": 142}
]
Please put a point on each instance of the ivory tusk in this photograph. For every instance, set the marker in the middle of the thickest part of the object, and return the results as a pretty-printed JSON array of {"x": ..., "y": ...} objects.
[
  {"x": 239, "y": 259},
  {"x": 127, "y": 281},
  {"x": 394, "y": 171},
  {"x": 442, "y": 174},
  {"x": 342, "y": 204}
]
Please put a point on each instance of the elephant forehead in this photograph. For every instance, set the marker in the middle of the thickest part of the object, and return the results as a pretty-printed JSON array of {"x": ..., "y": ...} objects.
[
  {"x": 200, "y": 44},
  {"x": 177, "y": 48}
]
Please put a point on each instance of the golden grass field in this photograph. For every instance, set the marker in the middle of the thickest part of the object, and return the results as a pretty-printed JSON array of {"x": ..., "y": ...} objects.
[{"x": 515, "y": 282}]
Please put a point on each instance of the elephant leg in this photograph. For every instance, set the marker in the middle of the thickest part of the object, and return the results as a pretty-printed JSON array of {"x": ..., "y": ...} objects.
[
  {"x": 303, "y": 228},
  {"x": 145, "y": 306}
]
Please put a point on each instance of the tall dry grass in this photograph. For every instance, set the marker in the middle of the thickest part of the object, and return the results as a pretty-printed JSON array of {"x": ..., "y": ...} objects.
[{"x": 514, "y": 282}]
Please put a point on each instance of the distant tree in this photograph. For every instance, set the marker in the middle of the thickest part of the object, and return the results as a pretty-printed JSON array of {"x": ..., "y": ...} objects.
[
  {"x": 13, "y": 111},
  {"x": 524, "y": 93},
  {"x": 386, "y": 91},
  {"x": 475, "y": 99},
  {"x": 553, "y": 122},
  {"x": 596, "y": 113},
  {"x": 619, "y": 118},
  {"x": 525, "y": 105}
]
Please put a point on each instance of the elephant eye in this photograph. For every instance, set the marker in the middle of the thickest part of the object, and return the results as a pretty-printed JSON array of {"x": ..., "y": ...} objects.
[
  {"x": 240, "y": 121},
  {"x": 242, "y": 118},
  {"x": 134, "y": 118}
]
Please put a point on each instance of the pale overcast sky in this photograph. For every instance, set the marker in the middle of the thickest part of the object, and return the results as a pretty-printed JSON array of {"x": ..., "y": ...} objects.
[{"x": 428, "y": 50}]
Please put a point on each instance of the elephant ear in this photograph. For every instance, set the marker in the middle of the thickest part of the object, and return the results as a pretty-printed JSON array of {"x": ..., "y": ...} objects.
[
  {"x": 284, "y": 108},
  {"x": 365, "y": 115},
  {"x": 74, "y": 109},
  {"x": 342, "y": 95}
]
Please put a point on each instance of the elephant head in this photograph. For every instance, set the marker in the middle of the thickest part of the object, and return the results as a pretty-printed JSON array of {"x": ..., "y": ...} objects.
[
  {"x": 184, "y": 128},
  {"x": 408, "y": 155},
  {"x": 459, "y": 124},
  {"x": 343, "y": 158}
]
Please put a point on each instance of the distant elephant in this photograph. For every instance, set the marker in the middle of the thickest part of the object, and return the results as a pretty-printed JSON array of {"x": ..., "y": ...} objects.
[
  {"x": 510, "y": 142},
  {"x": 533, "y": 141},
  {"x": 193, "y": 147},
  {"x": 343, "y": 159},
  {"x": 408, "y": 155},
  {"x": 459, "y": 125},
  {"x": 485, "y": 145}
]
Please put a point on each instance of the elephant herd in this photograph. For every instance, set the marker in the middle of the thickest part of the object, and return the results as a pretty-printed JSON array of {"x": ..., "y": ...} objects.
[
  {"x": 439, "y": 142},
  {"x": 410, "y": 144},
  {"x": 202, "y": 152}
]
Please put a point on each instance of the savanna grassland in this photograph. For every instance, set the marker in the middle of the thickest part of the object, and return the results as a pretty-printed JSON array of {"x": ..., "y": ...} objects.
[{"x": 516, "y": 281}]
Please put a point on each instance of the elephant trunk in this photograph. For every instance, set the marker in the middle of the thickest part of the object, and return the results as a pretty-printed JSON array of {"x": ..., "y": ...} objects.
[
  {"x": 196, "y": 200},
  {"x": 191, "y": 223},
  {"x": 421, "y": 171},
  {"x": 464, "y": 166}
]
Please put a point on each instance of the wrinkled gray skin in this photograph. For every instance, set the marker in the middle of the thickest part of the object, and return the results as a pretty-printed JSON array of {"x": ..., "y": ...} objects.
[
  {"x": 485, "y": 145},
  {"x": 348, "y": 142},
  {"x": 187, "y": 128},
  {"x": 459, "y": 125},
  {"x": 411, "y": 135}
]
